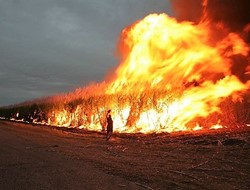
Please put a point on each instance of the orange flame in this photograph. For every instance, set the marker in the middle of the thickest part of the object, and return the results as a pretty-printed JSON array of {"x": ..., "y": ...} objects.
[
  {"x": 171, "y": 74},
  {"x": 160, "y": 53}
]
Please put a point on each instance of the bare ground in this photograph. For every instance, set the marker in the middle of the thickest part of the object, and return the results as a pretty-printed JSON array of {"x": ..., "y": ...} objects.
[{"x": 42, "y": 157}]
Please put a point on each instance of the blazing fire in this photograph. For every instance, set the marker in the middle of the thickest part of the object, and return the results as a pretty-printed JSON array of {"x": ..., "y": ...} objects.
[
  {"x": 161, "y": 54},
  {"x": 173, "y": 76}
]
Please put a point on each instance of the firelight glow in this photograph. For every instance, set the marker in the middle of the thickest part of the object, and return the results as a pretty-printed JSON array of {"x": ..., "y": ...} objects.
[
  {"x": 171, "y": 75},
  {"x": 161, "y": 53}
]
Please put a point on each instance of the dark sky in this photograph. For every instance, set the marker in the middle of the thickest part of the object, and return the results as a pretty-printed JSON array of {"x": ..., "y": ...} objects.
[{"x": 52, "y": 46}]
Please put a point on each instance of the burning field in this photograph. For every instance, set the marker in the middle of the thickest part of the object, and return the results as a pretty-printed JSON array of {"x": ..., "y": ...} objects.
[
  {"x": 174, "y": 75},
  {"x": 180, "y": 101}
]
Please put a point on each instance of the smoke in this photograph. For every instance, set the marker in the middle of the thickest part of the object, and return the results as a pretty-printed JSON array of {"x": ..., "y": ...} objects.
[
  {"x": 190, "y": 10},
  {"x": 233, "y": 13}
]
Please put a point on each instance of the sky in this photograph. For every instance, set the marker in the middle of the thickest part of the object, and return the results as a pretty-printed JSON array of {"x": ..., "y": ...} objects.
[{"x": 49, "y": 47}]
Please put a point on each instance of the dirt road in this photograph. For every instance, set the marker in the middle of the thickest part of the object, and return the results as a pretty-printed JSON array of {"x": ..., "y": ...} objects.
[
  {"x": 34, "y": 158},
  {"x": 38, "y": 157}
]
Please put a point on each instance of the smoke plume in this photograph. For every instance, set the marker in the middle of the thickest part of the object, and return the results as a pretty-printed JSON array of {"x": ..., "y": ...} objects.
[{"x": 233, "y": 13}]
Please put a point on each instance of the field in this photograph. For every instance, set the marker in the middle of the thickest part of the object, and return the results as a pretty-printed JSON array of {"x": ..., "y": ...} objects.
[{"x": 43, "y": 157}]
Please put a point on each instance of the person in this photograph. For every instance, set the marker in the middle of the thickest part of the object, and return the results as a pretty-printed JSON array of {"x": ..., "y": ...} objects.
[{"x": 109, "y": 125}]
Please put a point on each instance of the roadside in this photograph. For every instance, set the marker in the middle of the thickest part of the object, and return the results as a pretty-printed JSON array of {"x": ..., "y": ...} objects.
[{"x": 39, "y": 157}]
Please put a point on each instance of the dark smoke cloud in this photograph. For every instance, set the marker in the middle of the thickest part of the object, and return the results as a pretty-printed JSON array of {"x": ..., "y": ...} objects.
[
  {"x": 187, "y": 10},
  {"x": 233, "y": 13}
]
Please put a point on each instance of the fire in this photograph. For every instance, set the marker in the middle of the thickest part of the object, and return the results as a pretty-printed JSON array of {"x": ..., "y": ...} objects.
[
  {"x": 173, "y": 76},
  {"x": 217, "y": 126},
  {"x": 160, "y": 53},
  {"x": 60, "y": 118}
]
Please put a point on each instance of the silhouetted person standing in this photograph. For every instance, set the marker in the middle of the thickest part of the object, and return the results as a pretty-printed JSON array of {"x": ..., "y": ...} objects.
[{"x": 109, "y": 125}]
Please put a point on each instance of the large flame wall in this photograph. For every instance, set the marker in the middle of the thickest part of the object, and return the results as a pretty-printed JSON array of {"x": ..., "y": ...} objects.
[{"x": 173, "y": 76}]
